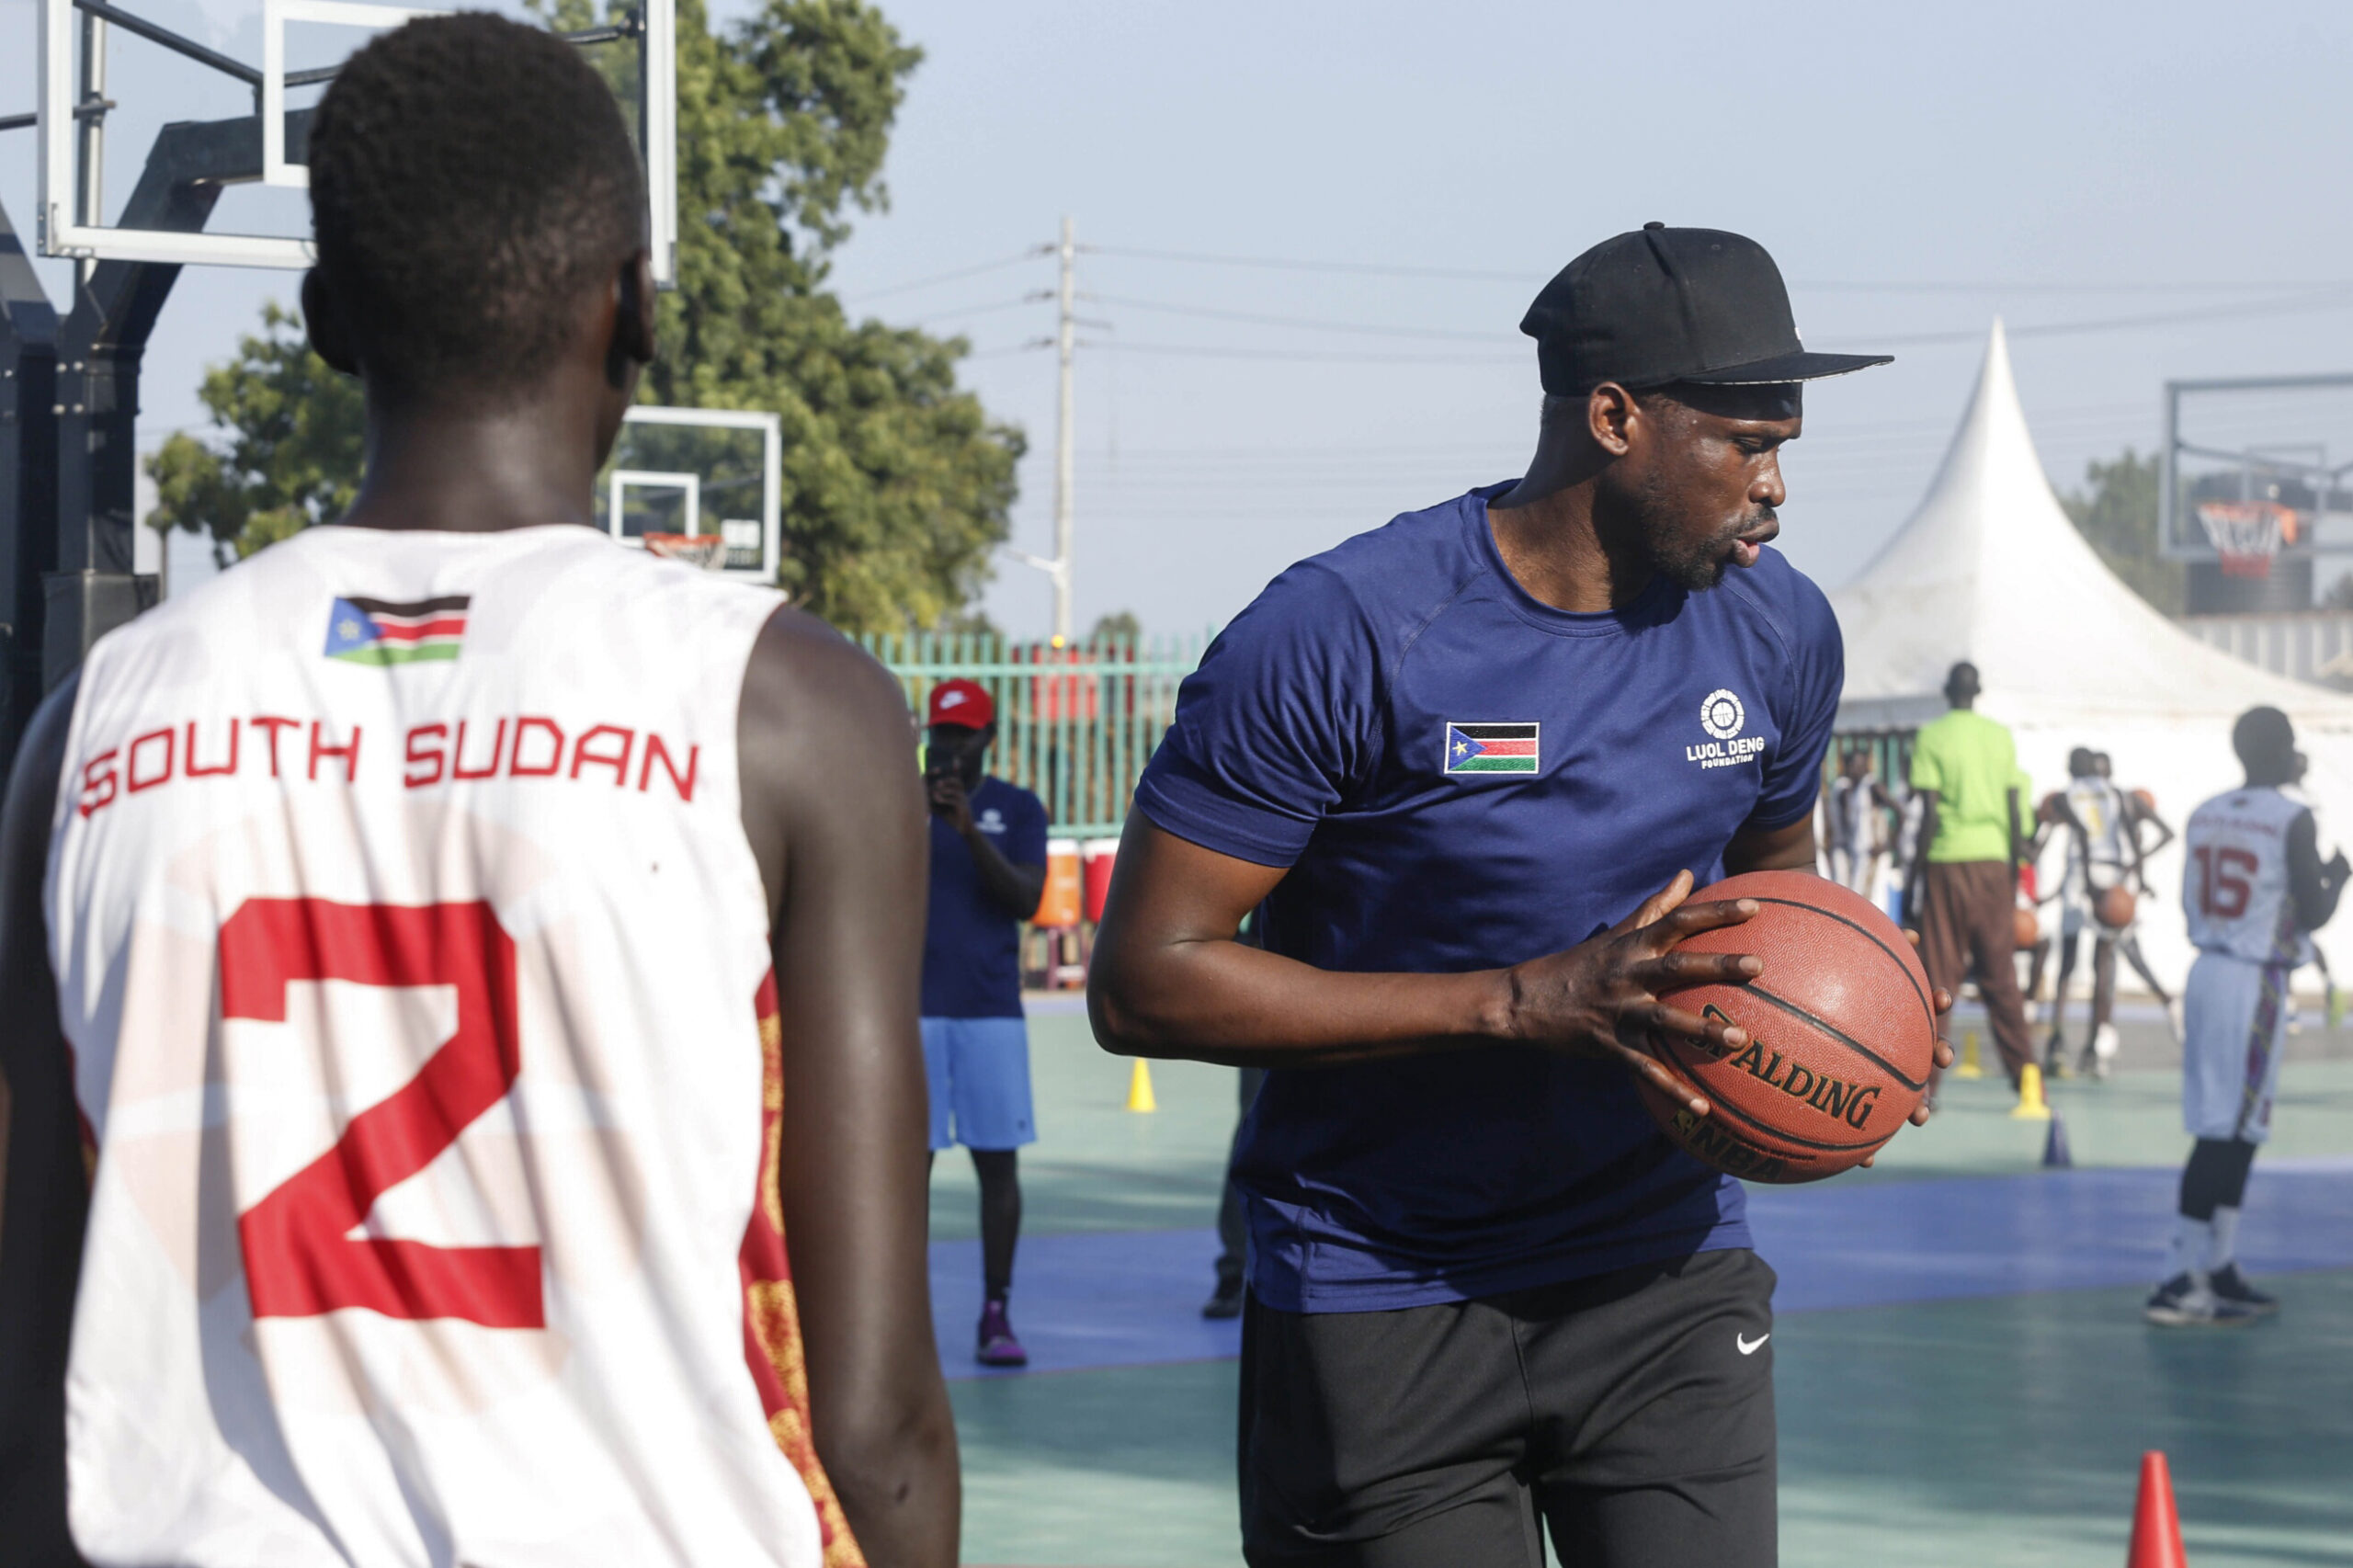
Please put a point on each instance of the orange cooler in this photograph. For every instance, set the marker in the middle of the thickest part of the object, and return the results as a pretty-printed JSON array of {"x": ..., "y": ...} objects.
[{"x": 1059, "y": 906}]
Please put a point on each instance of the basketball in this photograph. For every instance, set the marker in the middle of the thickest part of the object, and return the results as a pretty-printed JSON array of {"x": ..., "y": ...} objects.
[
  {"x": 1842, "y": 1034},
  {"x": 2146, "y": 801},
  {"x": 2052, "y": 809},
  {"x": 2115, "y": 908},
  {"x": 2025, "y": 929}
]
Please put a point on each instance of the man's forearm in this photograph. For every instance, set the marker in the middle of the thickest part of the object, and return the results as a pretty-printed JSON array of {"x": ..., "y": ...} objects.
[
  {"x": 1017, "y": 889},
  {"x": 1217, "y": 1000}
]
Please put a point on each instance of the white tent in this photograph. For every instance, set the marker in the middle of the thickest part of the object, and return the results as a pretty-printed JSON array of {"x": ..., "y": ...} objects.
[{"x": 1989, "y": 569}]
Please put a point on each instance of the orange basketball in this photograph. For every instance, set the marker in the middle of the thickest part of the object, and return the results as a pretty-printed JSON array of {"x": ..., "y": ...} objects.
[
  {"x": 2115, "y": 908},
  {"x": 1842, "y": 1034},
  {"x": 2146, "y": 801},
  {"x": 2025, "y": 929}
]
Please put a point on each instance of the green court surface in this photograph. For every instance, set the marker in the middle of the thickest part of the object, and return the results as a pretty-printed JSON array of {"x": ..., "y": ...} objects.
[{"x": 1999, "y": 1431}]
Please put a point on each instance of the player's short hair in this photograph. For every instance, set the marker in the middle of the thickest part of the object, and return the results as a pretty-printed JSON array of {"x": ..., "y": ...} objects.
[
  {"x": 1961, "y": 679},
  {"x": 469, "y": 178},
  {"x": 2079, "y": 762},
  {"x": 2262, "y": 735}
]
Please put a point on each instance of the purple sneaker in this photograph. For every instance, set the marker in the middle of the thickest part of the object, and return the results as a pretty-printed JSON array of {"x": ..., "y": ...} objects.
[{"x": 997, "y": 1346}]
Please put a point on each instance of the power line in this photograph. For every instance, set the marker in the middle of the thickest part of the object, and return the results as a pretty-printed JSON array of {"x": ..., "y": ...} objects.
[
  {"x": 974, "y": 271},
  {"x": 2337, "y": 296},
  {"x": 1309, "y": 324},
  {"x": 1977, "y": 286},
  {"x": 1310, "y": 356}
]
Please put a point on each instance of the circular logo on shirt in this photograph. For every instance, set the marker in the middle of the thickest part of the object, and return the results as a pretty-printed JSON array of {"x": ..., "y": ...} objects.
[{"x": 1721, "y": 715}]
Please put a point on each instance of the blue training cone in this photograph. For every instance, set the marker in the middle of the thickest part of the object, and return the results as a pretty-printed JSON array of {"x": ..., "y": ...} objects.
[{"x": 2055, "y": 1154}]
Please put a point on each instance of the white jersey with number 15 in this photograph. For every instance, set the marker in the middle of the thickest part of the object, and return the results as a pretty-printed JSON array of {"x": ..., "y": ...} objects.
[{"x": 2235, "y": 888}]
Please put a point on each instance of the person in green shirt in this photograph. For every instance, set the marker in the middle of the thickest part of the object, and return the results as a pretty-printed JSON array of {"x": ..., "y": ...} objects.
[{"x": 1964, "y": 883}]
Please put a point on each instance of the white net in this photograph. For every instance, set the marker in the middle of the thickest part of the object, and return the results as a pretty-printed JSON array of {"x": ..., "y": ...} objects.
[
  {"x": 706, "y": 551},
  {"x": 2246, "y": 535}
]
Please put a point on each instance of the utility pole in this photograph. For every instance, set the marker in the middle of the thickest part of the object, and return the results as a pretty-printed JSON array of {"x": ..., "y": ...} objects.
[
  {"x": 1065, "y": 446},
  {"x": 1065, "y": 343}
]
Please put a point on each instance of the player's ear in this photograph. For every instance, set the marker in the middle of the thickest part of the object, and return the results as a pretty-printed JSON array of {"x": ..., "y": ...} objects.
[
  {"x": 1609, "y": 410},
  {"x": 632, "y": 344},
  {"x": 324, "y": 322}
]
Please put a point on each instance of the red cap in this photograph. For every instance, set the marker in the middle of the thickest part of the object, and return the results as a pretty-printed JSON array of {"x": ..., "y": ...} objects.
[{"x": 962, "y": 703}]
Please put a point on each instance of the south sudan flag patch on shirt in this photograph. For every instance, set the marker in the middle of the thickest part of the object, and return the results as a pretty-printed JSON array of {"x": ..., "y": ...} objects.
[
  {"x": 1491, "y": 748},
  {"x": 374, "y": 631}
]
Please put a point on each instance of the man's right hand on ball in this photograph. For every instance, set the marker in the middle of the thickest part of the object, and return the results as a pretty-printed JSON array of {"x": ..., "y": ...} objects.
[{"x": 1601, "y": 997}]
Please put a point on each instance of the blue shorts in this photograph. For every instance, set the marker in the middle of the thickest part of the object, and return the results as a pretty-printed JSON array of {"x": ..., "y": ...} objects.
[{"x": 978, "y": 1072}]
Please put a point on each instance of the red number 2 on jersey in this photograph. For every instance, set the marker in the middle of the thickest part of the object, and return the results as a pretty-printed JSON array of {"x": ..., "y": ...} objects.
[
  {"x": 300, "y": 1260},
  {"x": 2222, "y": 890}
]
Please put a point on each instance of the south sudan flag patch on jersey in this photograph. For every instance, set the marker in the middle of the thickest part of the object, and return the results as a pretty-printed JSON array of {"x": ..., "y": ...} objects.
[
  {"x": 1491, "y": 748},
  {"x": 375, "y": 631}
]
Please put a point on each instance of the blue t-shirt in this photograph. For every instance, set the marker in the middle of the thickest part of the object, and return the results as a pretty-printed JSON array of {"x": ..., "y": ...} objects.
[
  {"x": 1459, "y": 777},
  {"x": 971, "y": 944}
]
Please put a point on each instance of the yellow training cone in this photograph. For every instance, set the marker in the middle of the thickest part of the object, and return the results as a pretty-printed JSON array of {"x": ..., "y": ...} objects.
[
  {"x": 1140, "y": 1088},
  {"x": 1970, "y": 1067},
  {"x": 2030, "y": 1106}
]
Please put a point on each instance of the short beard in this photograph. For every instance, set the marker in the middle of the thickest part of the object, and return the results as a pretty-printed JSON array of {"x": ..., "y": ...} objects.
[{"x": 1694, "y": 567}]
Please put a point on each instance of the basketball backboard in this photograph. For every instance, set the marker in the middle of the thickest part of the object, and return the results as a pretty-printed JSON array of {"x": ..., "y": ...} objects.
[
  {"x": 701, "y": 471},
  {"x": 2257, "y": 466},
  {"x": 241, "y": 124}
]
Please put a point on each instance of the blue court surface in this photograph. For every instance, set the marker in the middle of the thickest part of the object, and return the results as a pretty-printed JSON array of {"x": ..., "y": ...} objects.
[
  {"x": 1963, "y": 1374},
  {"x": 1131, "y": 1299}
]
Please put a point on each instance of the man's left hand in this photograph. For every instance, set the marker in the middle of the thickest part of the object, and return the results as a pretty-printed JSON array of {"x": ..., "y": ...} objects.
[{"x": 948, "y": 799}]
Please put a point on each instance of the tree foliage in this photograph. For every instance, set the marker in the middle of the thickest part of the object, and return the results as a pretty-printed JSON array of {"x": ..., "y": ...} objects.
[
  {"x": 896, "y": 483},
  {"x": 2117, "y": 515},
  {"x": 290, "y": 456}
]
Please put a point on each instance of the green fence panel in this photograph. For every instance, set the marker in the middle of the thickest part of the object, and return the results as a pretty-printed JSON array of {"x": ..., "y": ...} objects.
[{"x": 1075, "y": 725}]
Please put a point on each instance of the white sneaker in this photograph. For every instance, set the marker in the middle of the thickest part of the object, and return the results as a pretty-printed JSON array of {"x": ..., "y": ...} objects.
[
  {"x": 2173, "y": 1021},
  {"x": 2186, "y": 1301},
  {"x": 2105, "y": 1044}
]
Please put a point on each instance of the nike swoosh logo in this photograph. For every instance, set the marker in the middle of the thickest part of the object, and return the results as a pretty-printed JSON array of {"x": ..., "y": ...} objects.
[{"x": 1748, "y": 1346}]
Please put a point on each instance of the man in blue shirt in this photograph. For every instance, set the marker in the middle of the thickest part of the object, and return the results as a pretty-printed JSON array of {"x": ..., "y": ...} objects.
[
  {"x": 1466, "y": 768},
  {"x": 988, "y": 868}
]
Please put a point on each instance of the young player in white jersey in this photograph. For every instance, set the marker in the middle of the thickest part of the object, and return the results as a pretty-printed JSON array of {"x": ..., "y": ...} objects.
[
  {"x": 2103, "y": 853},
  {"x": 405, "y": 915},
  {"x": 2140, "y": 819},
  {"x": 1856, "y": 807},
  {"x": 2255, "y": 891}
]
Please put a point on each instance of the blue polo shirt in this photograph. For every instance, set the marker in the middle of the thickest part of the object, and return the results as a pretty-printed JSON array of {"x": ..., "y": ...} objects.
[
  {"x": 971, "y": 944},
  {"x": 1459, "y": 777}
]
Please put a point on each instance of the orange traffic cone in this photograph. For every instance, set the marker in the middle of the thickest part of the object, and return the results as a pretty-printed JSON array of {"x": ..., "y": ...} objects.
[{"x": 2156, "y": 1527}]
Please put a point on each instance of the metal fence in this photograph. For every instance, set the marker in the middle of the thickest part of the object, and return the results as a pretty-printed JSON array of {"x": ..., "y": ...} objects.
[{"x": 1074, "y": 725}]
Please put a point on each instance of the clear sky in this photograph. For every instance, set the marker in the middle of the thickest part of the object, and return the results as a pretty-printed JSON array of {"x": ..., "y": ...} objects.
[{"x": 1914, "y": 169}]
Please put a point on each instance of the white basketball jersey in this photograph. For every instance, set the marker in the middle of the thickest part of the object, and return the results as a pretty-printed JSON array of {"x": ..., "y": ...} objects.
[
  {"x": 2235, "y": 888},
  {"x": 2100, "y": 806},
  {"x": 417, "y": 972}
]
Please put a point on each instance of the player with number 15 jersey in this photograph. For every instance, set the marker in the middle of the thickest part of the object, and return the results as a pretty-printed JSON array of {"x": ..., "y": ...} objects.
[{"x": 2255, "y": 891}]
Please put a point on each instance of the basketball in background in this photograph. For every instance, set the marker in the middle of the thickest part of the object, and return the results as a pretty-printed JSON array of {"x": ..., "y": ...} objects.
[
  {"x": 2146, "y": 801},
  {"x": 2116, "y": 907},
  {"x": 1842, "y": 1034},
  {"x": 2025, "y": 929}
]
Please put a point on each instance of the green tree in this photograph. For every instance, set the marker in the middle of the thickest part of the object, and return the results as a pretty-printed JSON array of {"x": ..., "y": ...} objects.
[
  {"x": 291, "y": 451},
  {"x": 896, "y": 483},
  {"x": 2117, "y": 515},
  {"x": 1120, "y": 627}
]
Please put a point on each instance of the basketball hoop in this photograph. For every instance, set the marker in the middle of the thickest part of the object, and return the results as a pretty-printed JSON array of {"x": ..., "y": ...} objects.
[
  {"x": 707, "y": 551},
  {"x": 2247, "y": 535}
]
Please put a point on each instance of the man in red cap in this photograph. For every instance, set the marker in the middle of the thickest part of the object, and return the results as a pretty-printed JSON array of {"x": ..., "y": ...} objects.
[{"x": 988, "y": 868}]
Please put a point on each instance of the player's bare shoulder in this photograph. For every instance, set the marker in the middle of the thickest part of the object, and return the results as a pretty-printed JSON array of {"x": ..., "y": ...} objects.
[{"x": 823, "y": 733}]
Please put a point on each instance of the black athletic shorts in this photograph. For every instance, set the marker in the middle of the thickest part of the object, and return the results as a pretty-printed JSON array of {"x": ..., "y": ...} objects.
[{"x": 1630, "y": 1413}]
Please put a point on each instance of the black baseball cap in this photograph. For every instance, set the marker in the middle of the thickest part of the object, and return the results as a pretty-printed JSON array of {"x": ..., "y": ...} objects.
[{"x": 1661, "y": 304}]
